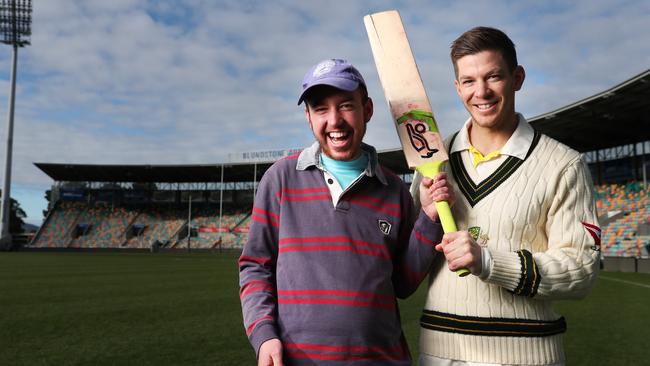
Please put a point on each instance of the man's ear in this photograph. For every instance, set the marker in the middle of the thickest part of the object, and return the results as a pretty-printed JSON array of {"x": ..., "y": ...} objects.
[
  {"x": 457, "y": 85},
  {"x": 520, "y": 75},
  {"x": 307, "y": 115},
  {"x": 368, "y": 109}
]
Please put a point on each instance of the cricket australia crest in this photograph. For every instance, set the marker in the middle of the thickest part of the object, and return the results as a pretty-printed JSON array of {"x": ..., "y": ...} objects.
[{"x": 480, "y": 239}]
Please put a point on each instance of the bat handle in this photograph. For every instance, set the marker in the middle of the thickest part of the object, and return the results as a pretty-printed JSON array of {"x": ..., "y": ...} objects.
[{"x": 430, "y": 170}]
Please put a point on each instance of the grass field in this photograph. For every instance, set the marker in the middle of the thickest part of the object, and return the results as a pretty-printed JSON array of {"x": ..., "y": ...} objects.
[{"x": 183, "y": 309}]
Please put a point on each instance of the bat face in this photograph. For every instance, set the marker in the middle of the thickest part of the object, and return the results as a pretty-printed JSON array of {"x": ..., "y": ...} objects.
[{"x": 404, "y": 90}]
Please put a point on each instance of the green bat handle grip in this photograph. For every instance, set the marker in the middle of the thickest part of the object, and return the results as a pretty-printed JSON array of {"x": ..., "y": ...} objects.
[
  {"x": 430, "y": 170},
  {"x": 446, "y": 219}
]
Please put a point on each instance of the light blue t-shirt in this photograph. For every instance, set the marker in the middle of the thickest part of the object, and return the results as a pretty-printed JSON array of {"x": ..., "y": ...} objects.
[{"x": 345, "y": 172}]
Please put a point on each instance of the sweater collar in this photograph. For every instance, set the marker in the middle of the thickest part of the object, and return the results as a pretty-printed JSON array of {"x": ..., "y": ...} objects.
[
  {"x": 310, "y": 157},
  {"x": 517, "y": 145}
]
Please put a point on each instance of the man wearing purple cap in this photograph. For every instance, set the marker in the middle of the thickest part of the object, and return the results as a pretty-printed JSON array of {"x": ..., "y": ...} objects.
[{"x": 335, "y": 239}]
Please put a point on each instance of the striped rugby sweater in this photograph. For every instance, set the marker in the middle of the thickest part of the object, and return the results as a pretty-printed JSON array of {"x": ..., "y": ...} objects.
[
  {"x": 324, "y": 279},
  {"x": 538, "y": 220}
]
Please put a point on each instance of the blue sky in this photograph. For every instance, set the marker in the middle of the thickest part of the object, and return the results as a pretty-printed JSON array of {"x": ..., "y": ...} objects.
[{"x": 188, "y": 82}]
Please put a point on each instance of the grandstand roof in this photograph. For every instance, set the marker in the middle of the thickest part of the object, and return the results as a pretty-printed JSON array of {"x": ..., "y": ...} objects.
[
  {"x": 150, "y": 173},
  {"x": 392, "y": 159},
  {"x": 618, "y": 116}
]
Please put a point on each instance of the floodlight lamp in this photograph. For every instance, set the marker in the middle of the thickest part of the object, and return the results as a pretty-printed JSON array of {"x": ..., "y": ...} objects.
[{"x": 15, "y": 22}]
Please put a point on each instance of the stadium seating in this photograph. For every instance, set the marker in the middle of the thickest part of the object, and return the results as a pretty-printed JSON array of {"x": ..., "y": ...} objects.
[
  {"x": 162, "y": 225},
  {"x": 211, "y": 232},
  {"x": 58, "y": 225},
  {"x": 107, "y": 225},
  {"x": 624, "y": 210},
  {"x": 629, "y": 205}
]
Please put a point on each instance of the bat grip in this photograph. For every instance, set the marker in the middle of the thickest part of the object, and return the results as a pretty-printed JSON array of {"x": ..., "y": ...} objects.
[{"x": 430, "y": 170}]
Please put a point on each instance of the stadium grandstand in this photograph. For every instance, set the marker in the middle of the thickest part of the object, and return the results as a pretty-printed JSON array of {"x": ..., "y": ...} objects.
[
  {"x": 203, "y": 207},
  {"x": 207, "y": 207}
]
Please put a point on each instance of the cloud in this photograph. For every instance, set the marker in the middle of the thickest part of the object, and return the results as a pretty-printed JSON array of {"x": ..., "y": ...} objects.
[{"x": 188, "y": 82}]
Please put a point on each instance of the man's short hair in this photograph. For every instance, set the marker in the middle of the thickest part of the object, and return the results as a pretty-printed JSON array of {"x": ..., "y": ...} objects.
[{"x": 481, "y": 39}]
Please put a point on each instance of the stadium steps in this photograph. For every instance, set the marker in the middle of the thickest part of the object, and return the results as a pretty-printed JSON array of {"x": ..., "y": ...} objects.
[
  {"x": 67, "y": 236},
  {"x": 249, "y": 212},
  {"x": 128, "y": 228},
  {"x": 45, "y": 224}
]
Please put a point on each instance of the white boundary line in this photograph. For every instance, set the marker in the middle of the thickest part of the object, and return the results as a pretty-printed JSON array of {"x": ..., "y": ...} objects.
[{"x": 624, "y": 281}]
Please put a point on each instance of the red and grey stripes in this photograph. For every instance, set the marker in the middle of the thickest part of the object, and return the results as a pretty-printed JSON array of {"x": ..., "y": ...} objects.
[
  {"x": 265, "y": 217},
  {"x": 376, "y": 204},
  {"x": 333, "y": 243},
  {"x": 255, "y": 322},
  {"x": 336, "y": 298},
  {"x": 423, "y": 239},
  {"x": 304, "y": 194},
  {"x": 311, "y": 194},
  {"x": 347, "y": 353},
  {"x": 255, "y": 286},
  {"x": 249, "y": 260}
]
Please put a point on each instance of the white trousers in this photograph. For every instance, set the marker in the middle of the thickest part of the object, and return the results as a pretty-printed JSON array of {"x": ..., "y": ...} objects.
[{"x": 427, "y": 360}]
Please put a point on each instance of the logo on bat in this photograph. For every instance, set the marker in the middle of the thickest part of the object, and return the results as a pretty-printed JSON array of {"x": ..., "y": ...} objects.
[
  {"x": 416, "y": 137},
  {"x": 417, "y": 124}
]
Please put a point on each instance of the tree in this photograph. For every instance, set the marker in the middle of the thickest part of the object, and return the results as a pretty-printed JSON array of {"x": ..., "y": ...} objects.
[
  {"x": 16, "y": 216},
  {"x": 48, "y": 197}
]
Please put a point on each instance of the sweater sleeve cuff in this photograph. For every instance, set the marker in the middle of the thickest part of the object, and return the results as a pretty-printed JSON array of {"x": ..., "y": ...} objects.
[
  {"x": 486, "y": 263},
  {"x": 263, "y": 333},
  {"x": 517, "y": 272},
  {"x": 505, "y": 270}
]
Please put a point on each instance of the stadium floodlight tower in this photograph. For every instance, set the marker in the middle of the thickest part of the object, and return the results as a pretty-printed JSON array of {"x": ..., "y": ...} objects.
[{"x": 15, "y": 30}]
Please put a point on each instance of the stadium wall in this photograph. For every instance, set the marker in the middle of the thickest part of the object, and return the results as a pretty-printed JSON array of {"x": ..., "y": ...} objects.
[
  {"x": 626, "y": 264},
  {"x": 643, "y": 265}
]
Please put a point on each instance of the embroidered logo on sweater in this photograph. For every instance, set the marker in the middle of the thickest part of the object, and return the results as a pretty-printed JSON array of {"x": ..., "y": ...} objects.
[
  {"x": 384, "y": 226},
  {"x": 481, "y": 239},
  {"x": 474, "y": 231},
  {"x": 595, "y": 233}
]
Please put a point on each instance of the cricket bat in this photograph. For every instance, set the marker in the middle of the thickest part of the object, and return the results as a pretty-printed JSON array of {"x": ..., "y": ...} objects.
[{"x": 408, "y": 102}]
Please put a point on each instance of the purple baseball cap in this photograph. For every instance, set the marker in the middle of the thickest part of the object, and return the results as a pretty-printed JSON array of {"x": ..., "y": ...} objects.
[{"x": 333, "y": 72}]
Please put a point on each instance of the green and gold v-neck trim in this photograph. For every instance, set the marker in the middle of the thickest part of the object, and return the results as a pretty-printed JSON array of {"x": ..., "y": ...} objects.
[{"x": 476, "y": 192}]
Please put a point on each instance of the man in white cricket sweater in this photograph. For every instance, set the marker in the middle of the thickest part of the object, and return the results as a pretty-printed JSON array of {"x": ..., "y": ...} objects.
[{"x": 527, "y": 220}]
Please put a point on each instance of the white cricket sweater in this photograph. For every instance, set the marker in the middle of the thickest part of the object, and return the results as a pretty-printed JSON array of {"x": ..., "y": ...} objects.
[{"x": 531, "y": 215}]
